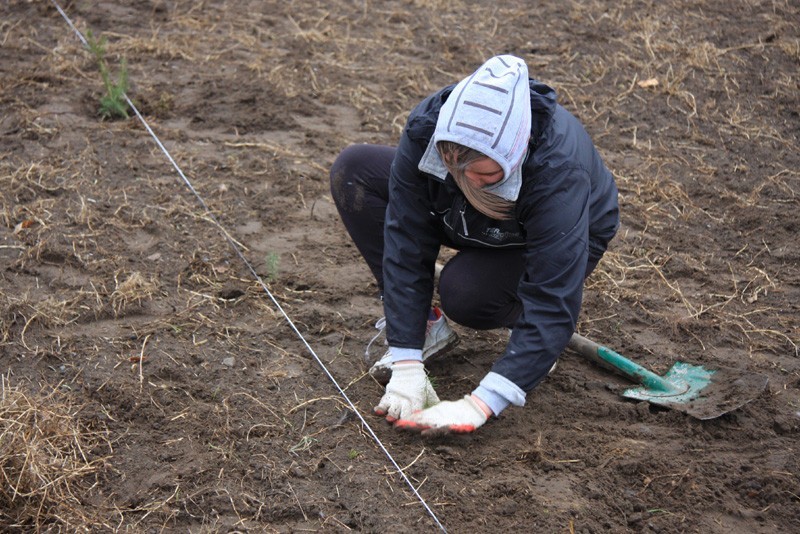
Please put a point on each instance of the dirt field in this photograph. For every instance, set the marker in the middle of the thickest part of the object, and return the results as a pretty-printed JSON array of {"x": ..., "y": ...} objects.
[{"x": 150, "y": 384}]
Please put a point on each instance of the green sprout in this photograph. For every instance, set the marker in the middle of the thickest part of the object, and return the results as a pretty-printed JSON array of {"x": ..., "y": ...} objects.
[
  {"x": 114, "y": 103},
  {"x": 428, "y": 399},
  {"x": 273, "y": 261}
]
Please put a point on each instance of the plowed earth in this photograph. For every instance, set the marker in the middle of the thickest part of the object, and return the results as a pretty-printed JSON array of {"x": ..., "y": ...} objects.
[{"x": 119, "y": 294}]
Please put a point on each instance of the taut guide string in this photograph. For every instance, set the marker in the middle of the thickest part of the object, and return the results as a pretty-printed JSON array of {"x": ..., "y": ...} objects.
[{"x": 261, "y": 283}]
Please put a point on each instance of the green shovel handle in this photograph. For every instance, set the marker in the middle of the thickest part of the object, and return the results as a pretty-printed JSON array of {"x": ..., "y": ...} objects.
[{"x": 609, "y": 359}]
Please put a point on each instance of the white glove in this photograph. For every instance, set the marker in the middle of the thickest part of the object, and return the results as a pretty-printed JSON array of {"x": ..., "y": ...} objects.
[
  {"x": 408, "y": 390},
  {"x": 457, "y": 417}
]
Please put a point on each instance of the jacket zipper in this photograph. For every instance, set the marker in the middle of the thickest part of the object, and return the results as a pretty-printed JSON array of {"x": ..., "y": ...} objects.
[{"x": 461, "y": 210}]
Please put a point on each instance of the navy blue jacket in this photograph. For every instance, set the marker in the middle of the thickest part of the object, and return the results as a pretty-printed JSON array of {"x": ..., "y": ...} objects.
[{"x": 566, "y": 213}]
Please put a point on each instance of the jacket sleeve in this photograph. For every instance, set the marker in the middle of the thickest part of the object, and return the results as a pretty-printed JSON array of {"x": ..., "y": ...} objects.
[
  {"x": 410, "y": 249},
  {"x": 556, "y": 220}
]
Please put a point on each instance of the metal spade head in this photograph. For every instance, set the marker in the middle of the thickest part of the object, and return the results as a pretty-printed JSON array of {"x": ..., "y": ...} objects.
[
  {"x": 700, "y": 392},
  {"x": 693, "y": 389}
]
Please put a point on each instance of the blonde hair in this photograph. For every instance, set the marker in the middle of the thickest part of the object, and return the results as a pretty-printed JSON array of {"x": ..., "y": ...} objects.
[{"x": 457, "y": 158}]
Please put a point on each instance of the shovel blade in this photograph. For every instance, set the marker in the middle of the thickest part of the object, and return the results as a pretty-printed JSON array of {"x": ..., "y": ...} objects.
[{"x": 703, "y": 393}]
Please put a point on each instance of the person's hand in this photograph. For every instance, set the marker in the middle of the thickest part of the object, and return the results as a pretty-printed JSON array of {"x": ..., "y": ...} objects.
[
  {"x": 409, "y": 390},
  {"x": 456, "y": 417}
]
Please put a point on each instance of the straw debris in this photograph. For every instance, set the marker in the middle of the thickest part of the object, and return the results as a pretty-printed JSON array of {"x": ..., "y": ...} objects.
[
  {"x": 49, "y": 462},
  {"x": 135, "y": 289}
]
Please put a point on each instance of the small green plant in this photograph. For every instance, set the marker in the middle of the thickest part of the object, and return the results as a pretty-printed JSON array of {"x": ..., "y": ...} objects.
[
  {"x": 353, "y": 454},
  {"x": 113, "y": 104},
  {"x": 429, "y": 401},
  {"x": 433, "y": 381},
  {"x": 273, "y": 261}
]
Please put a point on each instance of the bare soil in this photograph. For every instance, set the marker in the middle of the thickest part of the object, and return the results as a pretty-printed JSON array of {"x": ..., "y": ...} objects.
[{"x": 120, "y": 297}]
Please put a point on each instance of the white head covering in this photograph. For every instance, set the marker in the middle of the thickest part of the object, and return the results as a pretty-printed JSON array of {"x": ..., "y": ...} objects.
[{"x": 490, "y": 111}]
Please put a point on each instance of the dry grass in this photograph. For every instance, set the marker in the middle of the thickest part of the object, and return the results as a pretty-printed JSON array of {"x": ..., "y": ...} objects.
[
  {"x": 49, "y": 462},
  {"x": 133, "y": 290}
]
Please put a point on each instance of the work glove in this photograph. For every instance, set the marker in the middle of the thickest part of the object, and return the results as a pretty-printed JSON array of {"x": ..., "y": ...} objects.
[
  {"x": 409, "y": 390},
  {"x": 456, "y": 417}
]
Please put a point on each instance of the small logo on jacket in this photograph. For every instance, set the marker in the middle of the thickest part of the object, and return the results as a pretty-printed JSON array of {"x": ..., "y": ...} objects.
[{"x": 498, "y": 235}]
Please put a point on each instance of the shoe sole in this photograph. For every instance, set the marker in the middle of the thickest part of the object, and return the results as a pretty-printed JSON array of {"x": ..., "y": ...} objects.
[
  {"x": 383, "y": 374},
  {"x": 445, "y": 346}
]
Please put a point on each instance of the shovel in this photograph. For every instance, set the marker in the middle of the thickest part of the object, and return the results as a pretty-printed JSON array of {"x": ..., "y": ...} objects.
[{"x": 693, "y": 389}]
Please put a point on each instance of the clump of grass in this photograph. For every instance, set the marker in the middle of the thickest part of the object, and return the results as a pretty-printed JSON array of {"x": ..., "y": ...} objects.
[
  {"x": 48, "y": 462},
  {"x": 134, "y": 289},
  {"x": 113, "y": 104}
]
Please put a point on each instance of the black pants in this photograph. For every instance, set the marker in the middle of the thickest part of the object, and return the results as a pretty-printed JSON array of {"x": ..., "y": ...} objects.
[{"x": 477, "y": 287}]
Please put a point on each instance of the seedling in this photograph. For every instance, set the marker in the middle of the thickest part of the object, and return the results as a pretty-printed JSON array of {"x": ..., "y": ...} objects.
[
  {"x": 114, "y": 103},
  {"x": 428, "y": 400},
  {"x": 273, "y": 261}
]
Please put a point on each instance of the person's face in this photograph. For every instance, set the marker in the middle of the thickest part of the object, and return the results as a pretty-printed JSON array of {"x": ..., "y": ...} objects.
[{"x": 483, "y": 172}]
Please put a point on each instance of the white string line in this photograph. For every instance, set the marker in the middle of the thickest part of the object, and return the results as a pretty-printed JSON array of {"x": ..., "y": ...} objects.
[{"x": 263, "y": 285}]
